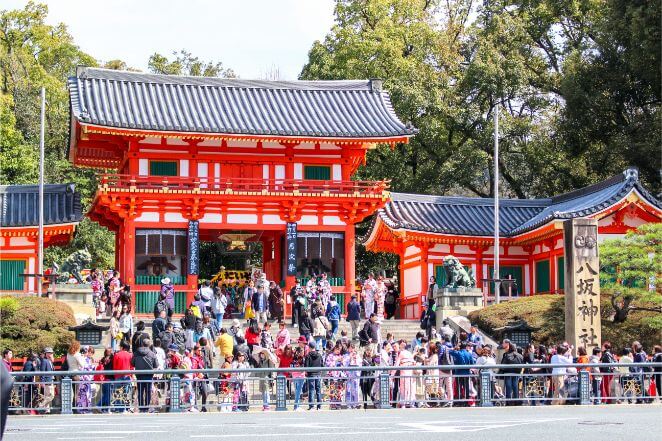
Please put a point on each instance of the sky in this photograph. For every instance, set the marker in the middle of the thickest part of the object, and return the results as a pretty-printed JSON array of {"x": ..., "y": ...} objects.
[{"x": 252, "y": 37}]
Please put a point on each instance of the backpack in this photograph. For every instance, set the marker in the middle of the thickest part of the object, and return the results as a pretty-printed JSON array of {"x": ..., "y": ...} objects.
[
  {"x": 445, "y": 360},
  {"x": 180, "y": 338}
]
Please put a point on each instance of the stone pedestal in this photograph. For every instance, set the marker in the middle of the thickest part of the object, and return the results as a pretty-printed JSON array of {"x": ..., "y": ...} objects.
[{"x": 457, "y": 301}]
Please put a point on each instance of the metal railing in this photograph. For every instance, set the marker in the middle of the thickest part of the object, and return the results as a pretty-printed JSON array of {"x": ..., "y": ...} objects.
[
  {"x": 343, "y": 387},
  {"x": 242, "y": 184}
]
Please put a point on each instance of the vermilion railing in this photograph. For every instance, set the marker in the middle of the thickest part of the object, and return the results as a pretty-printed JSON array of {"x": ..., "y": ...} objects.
[{"x": 242, "y": 184}]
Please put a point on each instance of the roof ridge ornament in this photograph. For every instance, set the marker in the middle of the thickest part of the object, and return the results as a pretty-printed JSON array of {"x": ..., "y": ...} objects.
[
  {"x": 376, "y": 85},
  {"x": 631, "y": 173}
]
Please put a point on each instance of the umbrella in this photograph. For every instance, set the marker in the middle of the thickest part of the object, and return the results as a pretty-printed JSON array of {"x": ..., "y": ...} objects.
[{"x": 257, "y": 349}]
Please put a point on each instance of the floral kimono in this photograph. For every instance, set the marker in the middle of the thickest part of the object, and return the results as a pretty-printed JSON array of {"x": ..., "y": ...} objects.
[
  {"x": 353, "y": 377},
  {"x": 84, "y": 394},
  {"x": 337, "y": 378}
]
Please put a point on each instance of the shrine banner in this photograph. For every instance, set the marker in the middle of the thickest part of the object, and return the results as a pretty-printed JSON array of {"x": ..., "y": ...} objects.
[
  {"x": 291, "y": 248},
  {"x": 193, "y": 247},
  {"x": 582, "y": 284}
]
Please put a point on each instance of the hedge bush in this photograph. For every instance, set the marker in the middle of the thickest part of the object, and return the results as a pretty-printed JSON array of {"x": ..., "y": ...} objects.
[
  {"x": 546, "y": 314},
  {"x": 29, "y": 324}
]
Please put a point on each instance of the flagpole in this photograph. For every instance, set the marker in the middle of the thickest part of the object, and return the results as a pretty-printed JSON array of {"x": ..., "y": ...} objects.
[
  {"x": 40, "y": 255},
  {"x": 497, "y": 273}
]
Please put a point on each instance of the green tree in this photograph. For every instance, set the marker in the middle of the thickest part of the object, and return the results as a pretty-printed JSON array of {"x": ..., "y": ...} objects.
[
  {"x": 19, "y": 163},
  {"x": 185, "y": 63},
  {"x": 631, "y": 270}
]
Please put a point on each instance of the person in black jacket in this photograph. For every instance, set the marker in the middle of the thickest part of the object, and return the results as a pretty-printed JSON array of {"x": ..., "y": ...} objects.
[
  {"x": 314, "y": 359},
  {"x": 511, "y": 376},
  {"x": 139, "y": 336},
  {"x": 144, "y": 360},
  {"x": 305, "y": 325},
  {"x": 370, "y": 330}
]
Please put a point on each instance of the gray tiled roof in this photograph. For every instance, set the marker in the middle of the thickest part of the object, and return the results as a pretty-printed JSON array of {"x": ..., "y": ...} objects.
[
  {"x": 337, "y": 109},
  {"x": 475, "y": 216},
  {"x": 19, "y": 205}
]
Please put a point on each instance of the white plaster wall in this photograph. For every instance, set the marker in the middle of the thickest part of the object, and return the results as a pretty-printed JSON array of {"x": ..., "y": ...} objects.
[
  {"x": 412, "y": 281},
  {"x": 174, "y": 217},
  {"x": 242, "y": 218},
  {"x": 265, "y": 171},
  {"x": 176, "y": 141},
  {"x": 183, "y": 167},
  {"x": 441, "y": 248},
  {"x": 211, "y": 218},
  {"x": 148, "y": 216},
  {"x": 20, "y": 242},
  {"x": 143, "y": 167},
  {"x": 517, "y": 251},
  {"x": 328, "y": 146},
  {"x": 150, "y": 140},
  {"x": 633, "y": 221},
  {"x": 298, "y": 171},
  {"x": 279, "y": 171},
  {"x": 332, "y": 220},
  {"x": 527, "y": 281},
  {"x": 203, "y": 169},
  {"x": 336, "y": 172},
  {"x": 411, "y": 250},
  {"x": 272, "y": 219},
  {"x": 464, "y": 249},
  {"x": 32, "y": 269},
  {"x": 308, "y": 220},
  {"x": 210, "y": 143}
]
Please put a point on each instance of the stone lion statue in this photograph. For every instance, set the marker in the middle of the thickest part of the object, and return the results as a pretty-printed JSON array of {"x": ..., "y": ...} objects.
[
  {"x": 456, "y": 275},
  {"x": 75, "y": 262}
]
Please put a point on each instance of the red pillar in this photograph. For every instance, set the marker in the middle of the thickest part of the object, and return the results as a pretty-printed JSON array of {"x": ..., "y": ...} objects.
[
  {"x": 401, "y": 277},
  {"x": 424, "y": 277},
  {"x": 350, "y": 262}
]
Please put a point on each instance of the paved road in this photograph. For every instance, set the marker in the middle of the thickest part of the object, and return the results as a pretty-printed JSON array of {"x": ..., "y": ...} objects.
[{"x": 546, "y": 423}]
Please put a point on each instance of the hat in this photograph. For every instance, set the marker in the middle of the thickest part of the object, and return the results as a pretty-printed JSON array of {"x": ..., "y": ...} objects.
[
  {"x": 173, "y": 347},
  {"x": 302, "y": 339},
  {"x": 235, "y": 323},
  {"x": 165, "y": 281},
  {"x": 48, "y": 350}
]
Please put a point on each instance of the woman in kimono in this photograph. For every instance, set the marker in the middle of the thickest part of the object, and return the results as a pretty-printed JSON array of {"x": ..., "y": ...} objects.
[
  {"x": 352, "y": 394},
  {"x": 380, "y": 297},
  {"x": 407, "y": 385},
  {"x": 337, "y": 378},
  {"x": 85, "y": 393}
]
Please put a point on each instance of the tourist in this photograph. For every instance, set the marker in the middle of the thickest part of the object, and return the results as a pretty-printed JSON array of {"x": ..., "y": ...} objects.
[
  {"x": 474, "y": 337},
  {"x": 282, "y": 337},
  {"x": 84, "y": 392},
  {"x": 336, "y": 378},
  {"x": 7, "y": 356},
  {"x": 368, "y": 293},
  {"x": 122, "y": 362},
  {"x": 224, "y": 343},
  {"x": 97, "y": 290},
  {"x": 314, "y": 360},
  {"x": 201, "y": 331},
  {"x": 168, "y": 294},
  {"x": 276, "y": 302},
  {"x": 324, "y": 290},
  {"x": 298, "y": 298},
  {"x": 162, "y": 305},
  {"x": 607, "y": 378},
  {"x": 159, "y": 324},
  {"x": 47, "y": 382},
  {"x": 260, "y": 304},
  {"x": 368, "y": 377},
  {"x": 305, "y": 326},
  {"x": 264, "y": 360},
  {"x": 463, "y": 357},
  {"x": 144, "y": 360},
  {"x": 206, "y": 293},
  {"x": 510, "y": 376},
  {"x": 406, "y": 386},
  {"x": 249, "y": 292},
  {"x": 562, "y": 357},
  {"x": 225, "y": 386},
  {"x": 240, "y": 347},
  {"x": 32, "y": 364},
  {"x": 379, "y": 298},
  {"x": 333, "y": 315},
  {"x": 235, "y": 330},
  {"x": 321, "y": 331},
  {"x": 657, "y": 358},
  {"x": 639, "y": 356},
  {"x": 429, "y": 318},
  {"x": 160, "y": 354},
  {"x": 266, "y": 339},
  {"x": 253, "y": 335},
  {"x": 391, "y": 300},
  {"x": 625, "y": 380},
  {"x": 168, "y": 337},
  {"x": 114, "y": 331},
  {"x": 370, "y": 331},
  {"x": 354, "y": 316},
  {"x": 139, "y": 336},
  {"x": 199, "y": 379},
  {"x": 533, "y": 381},
  {"x": 446, "y": 331},
  {"x": 219, "y": 303},
  {"x": 104, "y": 364},
  {"x": 125, "y": 324},
  {"x": 240, "y": 394},
  {"x": 115, "y": 289},
  {"x": 297, "y": 377},
  {"x": 198, "y": 306}
]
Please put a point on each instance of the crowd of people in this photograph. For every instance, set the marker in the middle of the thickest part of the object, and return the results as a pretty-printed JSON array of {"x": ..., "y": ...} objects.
[{"x": 206, "y": 337}]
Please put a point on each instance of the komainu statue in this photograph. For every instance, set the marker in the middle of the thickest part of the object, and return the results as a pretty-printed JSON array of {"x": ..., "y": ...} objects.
[
  {"x": 74, "y": 263},
  {"x": 456, "y": 275}
]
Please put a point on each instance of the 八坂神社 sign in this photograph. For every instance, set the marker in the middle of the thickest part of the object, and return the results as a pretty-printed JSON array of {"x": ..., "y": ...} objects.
[{"x": 582, "y": 283}]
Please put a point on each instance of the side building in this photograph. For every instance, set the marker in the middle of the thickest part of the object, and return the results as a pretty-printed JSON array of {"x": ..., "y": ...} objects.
[
  {"x": 423, "y": 229},
  {"x": 19, "y": 235}
]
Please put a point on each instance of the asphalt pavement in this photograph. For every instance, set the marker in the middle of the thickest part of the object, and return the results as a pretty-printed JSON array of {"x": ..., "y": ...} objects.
[{"x": 543, "y": 423}]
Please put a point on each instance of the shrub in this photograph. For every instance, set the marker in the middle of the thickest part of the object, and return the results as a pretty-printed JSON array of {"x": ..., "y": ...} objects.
[
  {"x": 546, "y": 314},
  {"x": 29, "y": 324}
]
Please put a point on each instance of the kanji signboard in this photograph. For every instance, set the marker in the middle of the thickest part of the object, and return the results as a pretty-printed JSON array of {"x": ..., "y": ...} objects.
[
  {"x": 291, "y": 248},
  {"x": 193, "y": 247},
  {"x": 582, "y": 283}
]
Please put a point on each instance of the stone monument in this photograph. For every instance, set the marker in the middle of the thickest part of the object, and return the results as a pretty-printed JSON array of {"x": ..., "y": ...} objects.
[
  {"x": 582, "y": 283},
  {"x": 459, "y": 296}
]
